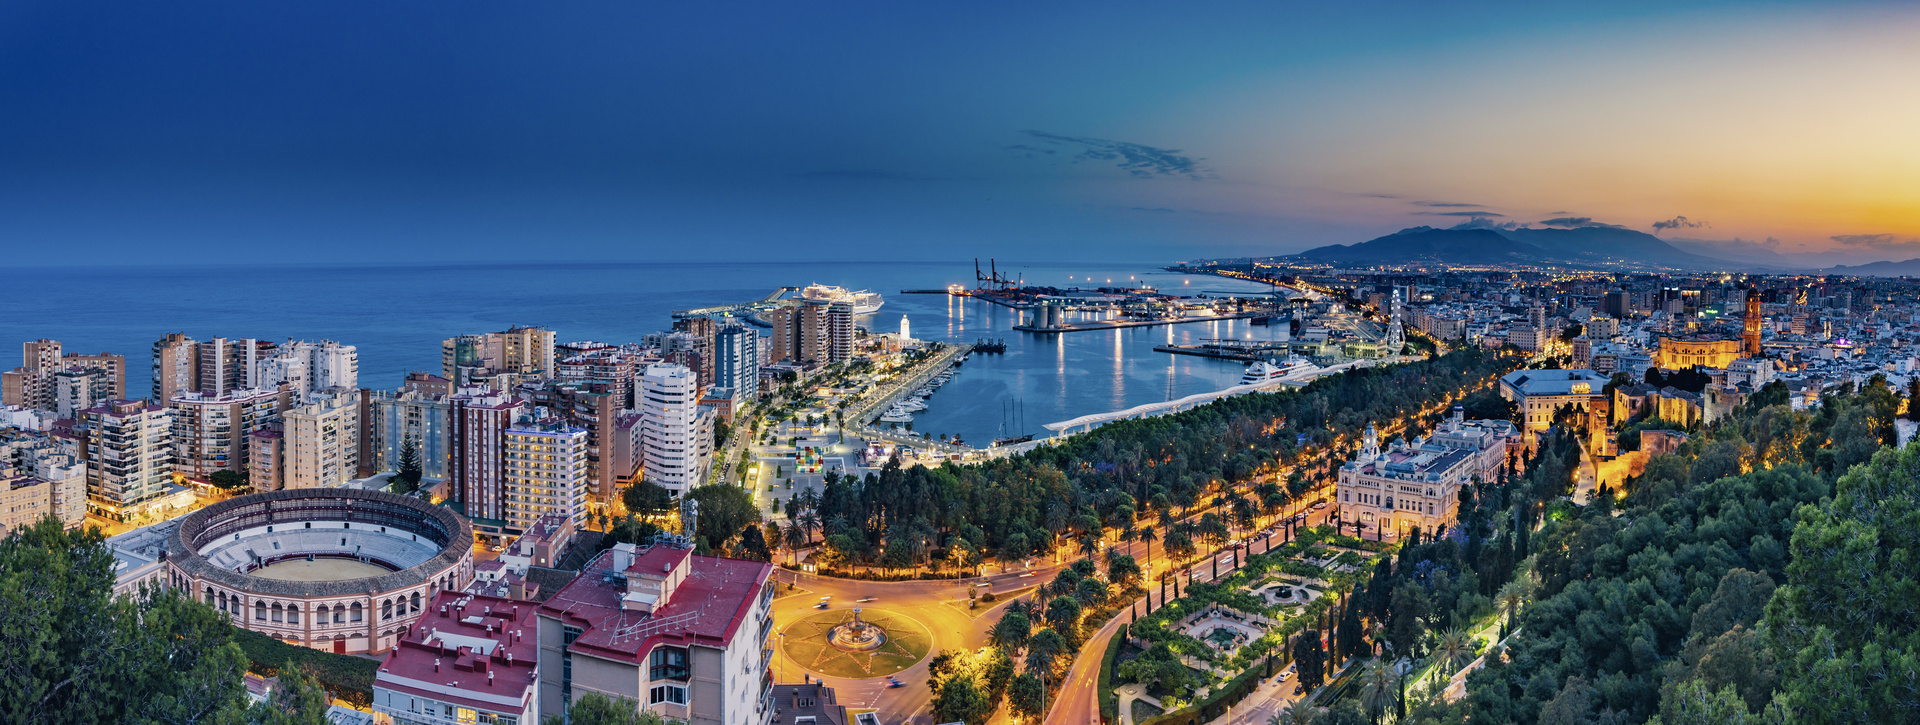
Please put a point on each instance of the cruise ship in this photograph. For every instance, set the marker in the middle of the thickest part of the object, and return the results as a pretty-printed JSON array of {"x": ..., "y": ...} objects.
[
  {"x": 1264, "y": 371},
  {"x": 864, "y": 302}
]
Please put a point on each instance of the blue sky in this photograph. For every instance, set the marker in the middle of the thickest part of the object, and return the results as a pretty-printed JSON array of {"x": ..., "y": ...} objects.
[{"x": 203, "y": 132}]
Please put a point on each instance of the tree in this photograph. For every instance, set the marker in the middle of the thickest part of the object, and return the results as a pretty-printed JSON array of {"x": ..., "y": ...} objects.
[
  {"x": 647, "y": 499},
  {"x": 1043, "y": 648},
  {"x": 1123, "y": 571},
  {"x": 725, "y": 511},
  {"x": 410, "y": 471},
  {"x": 1453, "y": 650},
  {"x": 75, "y": 653},
  {"x": 298, "y": 700},
  {"x": 594, "y": 708},
  {"x": 1378, "y": 688},
  {"x": 228, "y": 480},
  {"x": 1063, "y": 615},
  {"x": 1027, "y": 696},
  {"x": 1010, "y": 634},
  {"x": 1310, "y": 659},
  {"x": 753, "y": 545},
  {"x": 958, "y": 699}
]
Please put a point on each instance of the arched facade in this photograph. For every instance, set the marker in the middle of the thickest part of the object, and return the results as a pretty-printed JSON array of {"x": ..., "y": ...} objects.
[{"x": 424, "y": 549}]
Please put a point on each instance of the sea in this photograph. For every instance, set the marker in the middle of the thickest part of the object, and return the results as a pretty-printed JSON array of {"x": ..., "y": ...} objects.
[{"x": 396, "y": 315}]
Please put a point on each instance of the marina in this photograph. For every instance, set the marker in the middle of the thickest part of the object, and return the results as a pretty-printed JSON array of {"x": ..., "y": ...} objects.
[{"x": 1119, "y": 324}]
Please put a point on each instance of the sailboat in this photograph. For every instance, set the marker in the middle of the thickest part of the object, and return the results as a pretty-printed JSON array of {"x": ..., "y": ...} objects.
[{"x": 1017, "y": 413}]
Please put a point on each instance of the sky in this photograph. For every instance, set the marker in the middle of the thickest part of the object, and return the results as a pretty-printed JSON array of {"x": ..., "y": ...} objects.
[{"x": 194, "y": 132}]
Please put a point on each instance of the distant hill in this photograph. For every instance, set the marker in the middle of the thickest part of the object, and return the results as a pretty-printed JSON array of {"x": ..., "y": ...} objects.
[
  {"x": 1614, "y": 244},
  {"x": 1427, "y": 244},
  {"x": 1478, "y": 243},
  {"x": 1907, "y": 268}
]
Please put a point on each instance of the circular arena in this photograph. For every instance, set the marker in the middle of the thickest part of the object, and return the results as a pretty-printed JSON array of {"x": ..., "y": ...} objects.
[{"x": 343, "y": 570}]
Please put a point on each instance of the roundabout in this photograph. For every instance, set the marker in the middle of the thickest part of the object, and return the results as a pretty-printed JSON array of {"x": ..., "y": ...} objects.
[{"x": 856, "y": 644}]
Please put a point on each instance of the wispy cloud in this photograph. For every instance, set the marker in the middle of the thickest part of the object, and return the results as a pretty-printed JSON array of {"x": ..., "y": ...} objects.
[
  {"x": 1137, "y": 159},
  {"x": 1480, "y": 221},
  {"x": 1460, "y": 213},
  {"x": 1574, "y": 222},
  {"x": 1679, "y": 222},
  {"x": 1445, "y": 204},
  {"x": 1875, "y": 241}
]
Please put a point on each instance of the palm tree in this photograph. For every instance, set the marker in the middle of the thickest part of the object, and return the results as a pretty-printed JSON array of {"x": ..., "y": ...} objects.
[
  {"x": 1145, "y": 534},
  {"x": 810, "y": 523},
  {"x": 1452, "y": 650},
  {"x": 1089, "y": 545},
  {"x": 1294, "y": 713},
  {"x": 1511, "y": 597},
  {"x": 1377, "y": 689},
  {"x": 797, "y": 539}
]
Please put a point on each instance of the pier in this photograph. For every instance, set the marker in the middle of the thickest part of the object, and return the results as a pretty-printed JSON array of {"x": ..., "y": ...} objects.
[
  {"x": 861, "y": 415},
  {"x": 1241, "y": 350},
  {"x": 1117, "y": 324}
]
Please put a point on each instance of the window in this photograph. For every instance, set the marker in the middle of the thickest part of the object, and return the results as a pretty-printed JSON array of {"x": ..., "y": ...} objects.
[
  {"x": 667, "y": 663},
  {"x": 667, "y": 693}
]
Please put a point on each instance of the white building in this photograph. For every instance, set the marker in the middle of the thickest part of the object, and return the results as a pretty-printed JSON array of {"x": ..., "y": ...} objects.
[
  {"x": 545, "y": 471},
  {"x": 323, "y": 441},
  {"x": 1541, "y": 392},
  {"x": 308, "y": 368},
  {"x": 129, "y": 456},
  {"x": 1418, "y": 483},
  {"x": 676, "y": 433}
]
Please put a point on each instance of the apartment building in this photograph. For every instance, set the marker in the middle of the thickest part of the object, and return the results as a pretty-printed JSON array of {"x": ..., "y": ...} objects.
[
  {"x": 499, "y": 360},
  {"x": 210, "y": 431},
  {"x": 676, "y": 432},
  {"x": 479, "y": 419},
  {"x": 736, "y": 358},
  {"x": 687, "y": 637},
  {"x": 48, "y": 377},
  {"x": 322, "y": 441},
  {"x": 471, "y": 659},
  {"x": 37, "y": 478},
  {"x": 129, "y": 456},
  {"x": 545, "y": 471},
  {"x": 416, "y": 414}
]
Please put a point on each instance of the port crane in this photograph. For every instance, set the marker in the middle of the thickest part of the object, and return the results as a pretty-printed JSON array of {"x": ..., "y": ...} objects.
[{"x": 993, "y": 279}]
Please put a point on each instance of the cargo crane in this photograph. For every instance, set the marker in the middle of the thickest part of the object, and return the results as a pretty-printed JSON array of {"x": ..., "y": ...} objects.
[{"x": 991, "y": 280}]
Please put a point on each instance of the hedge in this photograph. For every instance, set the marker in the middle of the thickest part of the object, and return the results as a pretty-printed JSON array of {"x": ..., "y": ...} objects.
[
  {"x": 1109, "y": 702},
  {"x": 1234, "y": 691},
  {"x": 348, "y": 678}
]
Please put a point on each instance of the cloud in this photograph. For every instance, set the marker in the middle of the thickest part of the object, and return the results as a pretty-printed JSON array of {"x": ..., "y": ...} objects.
[
  {"x": 1480, "y": 221},
  {"x": 1679, "y": 222},
  {"x": 1137, "y": 159},
  {"x": 1382, "y": 196},
  {"x": 1027, "y": 150},
  {"x": 864, "y": 174},
  {"x": 1460, "y": 213},
  {"x": 1575, "y": 222},
  {"x": 1874, "y": 241},
  {"x": 1156, "y": 209},
  {"x": 1444, "y": 204}
]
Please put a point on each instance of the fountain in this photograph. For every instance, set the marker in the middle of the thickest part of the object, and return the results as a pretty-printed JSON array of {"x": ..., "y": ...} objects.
[{"x": 857, "y": 636}]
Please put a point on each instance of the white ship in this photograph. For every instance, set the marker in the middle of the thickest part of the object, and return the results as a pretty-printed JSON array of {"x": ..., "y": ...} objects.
[
  {"x": 1263, "y": 371},
  {"x": 864, "y": 302}
]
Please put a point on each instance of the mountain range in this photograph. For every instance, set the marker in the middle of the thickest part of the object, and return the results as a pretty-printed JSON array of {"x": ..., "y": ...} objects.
[{"x": 1600, "y": 245}]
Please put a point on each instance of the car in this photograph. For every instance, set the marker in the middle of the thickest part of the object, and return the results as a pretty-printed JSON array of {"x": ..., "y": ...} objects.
[
  {"x": 1300, "y": 690},
  {"x": 824, "y": 603},
  {"x": 864, "y": 600}
]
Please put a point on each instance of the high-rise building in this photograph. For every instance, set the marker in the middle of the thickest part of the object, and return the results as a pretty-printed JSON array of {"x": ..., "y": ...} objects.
[
  {"x": 1618, "y": 304},
  {"x": 498, "y": 359},
  {"x": 701, "y": 330},
  {"x": 480, "y": 418},
  {"x": 688, "y": 637},
  {"x": 736, "y": 353},
  {"x": 592, "y": 406},
  {"x": 210, "y": 432},
  {"x": 176, "y": 366},
  {"x": 591, "y": 362},
  {"x": 800, "y": 332},
  {"x": 308, "y": 368},
  {"x": 323, "y": 441},
  {"x": 676, "y": 433},
  {"x": 545, "y": 471},
  {"x": 129, "y": 455},
  {"x": 37, "y": 382},
  {"x": 839, "y": 332},
  {"x": 411, "y": 414},
  {"x": 226, "y": 365}
]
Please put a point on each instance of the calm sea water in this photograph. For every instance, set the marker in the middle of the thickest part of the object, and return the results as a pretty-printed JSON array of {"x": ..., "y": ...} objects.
[{"x": 397, "y": 316}]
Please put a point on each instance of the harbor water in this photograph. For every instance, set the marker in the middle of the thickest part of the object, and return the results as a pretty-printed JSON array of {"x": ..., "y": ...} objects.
[{"x": 397, "y": 315}]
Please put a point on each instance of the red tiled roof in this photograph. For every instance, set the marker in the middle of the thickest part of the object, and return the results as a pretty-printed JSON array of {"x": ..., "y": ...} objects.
[
  {"x": 720, "y": 591},
  {"x": 466, "y": 650}
]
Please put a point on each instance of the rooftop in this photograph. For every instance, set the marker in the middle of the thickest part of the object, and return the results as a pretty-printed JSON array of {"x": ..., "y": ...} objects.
[
  {"x": 706, "y": 608},
  {"x": 468, "y": 649}
]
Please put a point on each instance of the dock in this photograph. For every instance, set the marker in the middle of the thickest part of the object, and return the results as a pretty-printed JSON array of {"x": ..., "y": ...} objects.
[
  {"x": 1243, "y": 351},
  {"x": 924, "y": 292},
  {"x": 1117, "y": 324}
]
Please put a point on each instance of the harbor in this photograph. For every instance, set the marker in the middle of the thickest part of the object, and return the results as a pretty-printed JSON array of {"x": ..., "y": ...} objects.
[{"x": 1092, "y": 325}]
